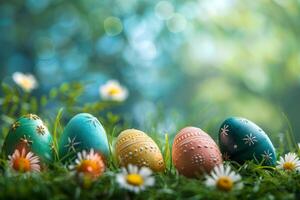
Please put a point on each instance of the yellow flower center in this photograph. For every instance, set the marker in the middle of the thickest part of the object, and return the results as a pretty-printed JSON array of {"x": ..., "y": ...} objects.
[
  {"x": 90, "y": 167},
  {"x": 21, "y": 164},
  {"x": 134, "y": 179},
  {"x": 289, "y": 166},
  {"x": 225, "y": 183},
  {"x": 26, "y": 83},
  {"x": 114, "y": 91}
]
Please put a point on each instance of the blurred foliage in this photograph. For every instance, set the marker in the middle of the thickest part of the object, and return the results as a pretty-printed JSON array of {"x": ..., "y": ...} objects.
[{"x": 192, "y": 62}]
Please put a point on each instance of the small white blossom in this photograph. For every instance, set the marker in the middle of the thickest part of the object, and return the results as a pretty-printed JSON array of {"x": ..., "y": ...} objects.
[
  {"x": 290, "y": 162},
  {"x": 112, "y": 90},
  {"x": 26, "y": 81}
]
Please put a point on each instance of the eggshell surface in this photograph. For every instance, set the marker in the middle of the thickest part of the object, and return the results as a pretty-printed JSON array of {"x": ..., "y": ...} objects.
[
  {"x": 195, "y": 152},
  {"x": 83, "y": 132},
  {"x": 30, "y": 133},
  {"x": 137, "y": 148},
  {"x": 241, "y": 140}
]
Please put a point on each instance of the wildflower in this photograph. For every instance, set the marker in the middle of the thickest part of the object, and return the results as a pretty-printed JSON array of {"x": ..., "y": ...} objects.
[
  {"x": 26, "y": 81},
  {"x": 112, "y": 90},
  {"x": 24, "y": 162},
  {"x": 223, "y": 178},
  {"x": 135, "y": 179},
  {"x": 90, "y": 164},
  {"x": 289, "y": 162}
]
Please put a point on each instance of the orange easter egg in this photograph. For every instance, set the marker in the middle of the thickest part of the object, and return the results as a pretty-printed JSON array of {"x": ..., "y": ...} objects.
[{"x": 195, "y": 152}]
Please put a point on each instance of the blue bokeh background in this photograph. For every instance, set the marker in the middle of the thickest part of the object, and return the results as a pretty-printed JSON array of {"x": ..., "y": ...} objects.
[{"x": 192, "y": 62}]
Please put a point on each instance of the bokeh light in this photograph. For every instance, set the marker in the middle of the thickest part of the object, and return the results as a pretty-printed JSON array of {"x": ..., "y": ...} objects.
[
  {"x": 164, "y": 10},
  {"x": 113, "y": 26},
  {"x": 177, "y": 23}
]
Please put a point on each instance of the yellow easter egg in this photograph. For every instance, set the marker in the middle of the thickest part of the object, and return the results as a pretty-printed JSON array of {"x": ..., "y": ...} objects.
[{"x": 137, "y": 148}]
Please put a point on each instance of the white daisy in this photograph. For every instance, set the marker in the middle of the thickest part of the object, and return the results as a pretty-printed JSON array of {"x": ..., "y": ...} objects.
[
  {"x": 24, "y": 162},
  {"x": 289, "y": 162},
  {"x": 112, "y": 90},
  {"x": 90, "y": 164},
  {"x": 135, "y": 179},
  {"x": 223, "y": 178},
  {"x": 26, "y": 81}
]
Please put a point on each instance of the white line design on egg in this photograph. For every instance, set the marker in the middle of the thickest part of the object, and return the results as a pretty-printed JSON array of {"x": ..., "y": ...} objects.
[
  {"x": 72, "y": 143},
  {"x": 250, "y": 139},
  {"x": 93, "y": 120},
  {"x": 267, "y": 156},
  {"x": 224, "y": 130},
  {"x": 226, "y": 156}
]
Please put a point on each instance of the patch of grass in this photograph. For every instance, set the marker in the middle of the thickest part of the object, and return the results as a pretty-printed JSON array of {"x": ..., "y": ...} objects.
[{"x": 58, "y": 183}]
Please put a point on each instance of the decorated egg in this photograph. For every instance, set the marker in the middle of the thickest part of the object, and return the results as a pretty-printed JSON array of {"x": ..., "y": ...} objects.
[
  {"x": 83, "y": 132},
  {"x": 195, "y": 152},
  {"x": 241, "y": 140},
  {"x": 137, "y": 148},
  {"x": 30, "y": 133}
]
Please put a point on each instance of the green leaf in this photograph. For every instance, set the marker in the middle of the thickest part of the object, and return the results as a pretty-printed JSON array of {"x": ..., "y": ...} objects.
[
  {"x": 64, "y": 87},
  {"x": 53, "y": 93},
  {"x": 44, "y": 100},
  {"x": 6, "y": 89},
  {"x": 33, "y": 105}
]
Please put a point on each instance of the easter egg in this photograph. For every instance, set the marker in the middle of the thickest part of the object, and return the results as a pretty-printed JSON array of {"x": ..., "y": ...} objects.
[
  {"x": 241, "y": 140},
  {"x": 137, "y": 148},
  {"x": 195, "y": 152},
  {"x": 30, "y": 133},
  {"x": 83, "y": 132}
]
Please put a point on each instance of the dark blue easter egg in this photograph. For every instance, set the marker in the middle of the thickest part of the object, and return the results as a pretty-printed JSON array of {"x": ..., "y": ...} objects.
[{"x": 241, "y": 140}]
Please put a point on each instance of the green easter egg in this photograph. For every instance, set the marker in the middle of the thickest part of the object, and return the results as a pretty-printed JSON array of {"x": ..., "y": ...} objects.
[
  {"x": 30, "y": 132},
  {"x": 83, "y": 132},
  {"x": 241, "y": 140}
]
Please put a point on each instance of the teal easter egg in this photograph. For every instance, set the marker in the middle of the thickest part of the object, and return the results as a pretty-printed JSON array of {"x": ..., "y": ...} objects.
[
  {"x": 30, "y": 133},
  {"x": 241, "y": 140},
  {"x": 83, "y": 132}
]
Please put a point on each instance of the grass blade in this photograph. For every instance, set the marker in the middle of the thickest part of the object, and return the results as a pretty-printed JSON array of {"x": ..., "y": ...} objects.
[
  {"x": 55, "y": 134},
  {"x": 167, "y": 153}
]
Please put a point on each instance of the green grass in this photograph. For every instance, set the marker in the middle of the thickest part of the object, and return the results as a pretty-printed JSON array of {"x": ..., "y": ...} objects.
[{"x": 57, "y": 182}]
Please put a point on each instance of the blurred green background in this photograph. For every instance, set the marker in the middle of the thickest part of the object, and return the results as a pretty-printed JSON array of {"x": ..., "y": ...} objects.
[{"x": 184, "y": 62}]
